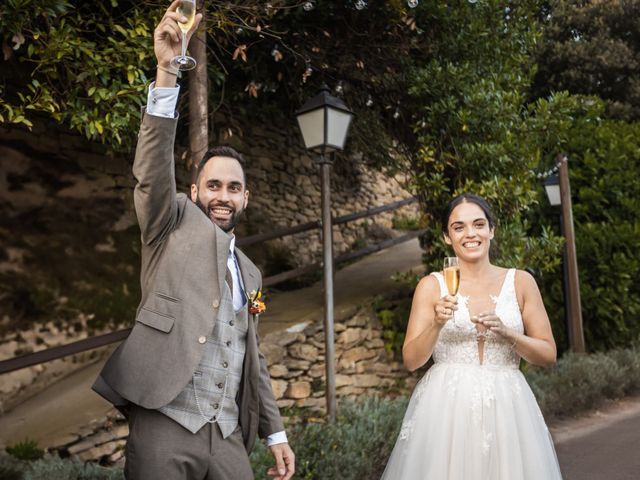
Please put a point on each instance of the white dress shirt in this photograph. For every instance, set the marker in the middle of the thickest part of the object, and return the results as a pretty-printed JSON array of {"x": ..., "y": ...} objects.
[{"x": 161, "y": 102}]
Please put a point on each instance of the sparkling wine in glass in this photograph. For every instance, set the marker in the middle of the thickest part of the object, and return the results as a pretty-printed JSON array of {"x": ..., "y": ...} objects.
[
  {"x": 451, "y": 273},
  {"x": 186, "y": 8}
]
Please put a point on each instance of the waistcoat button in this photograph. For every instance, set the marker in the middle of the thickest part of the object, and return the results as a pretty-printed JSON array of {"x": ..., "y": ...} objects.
[
  {"x": 225, "y": 364},
  {"x": 216, "y": 303},
  {"x": 202, "y": 339},
  {"x": 232, "y": 323},
  {"x": 219, "y": 385},
  {"x": 228, "y": 343}
]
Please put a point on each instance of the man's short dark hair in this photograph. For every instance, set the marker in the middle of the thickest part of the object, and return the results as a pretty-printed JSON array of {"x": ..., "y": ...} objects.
[{"x": 219, "y": 151}]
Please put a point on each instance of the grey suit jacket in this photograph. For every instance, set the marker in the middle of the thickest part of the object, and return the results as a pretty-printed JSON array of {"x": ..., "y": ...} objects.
[{"x": 184, "y": 257}]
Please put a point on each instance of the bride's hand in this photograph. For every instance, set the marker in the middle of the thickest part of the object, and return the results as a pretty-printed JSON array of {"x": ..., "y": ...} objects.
[
  {"x": 492, "y": 322},
  {"x": 444, "y": 309}
]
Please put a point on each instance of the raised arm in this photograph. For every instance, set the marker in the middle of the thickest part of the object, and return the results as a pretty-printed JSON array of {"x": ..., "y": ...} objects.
[
  {"x": 426, "y": 319},
  {"x": 153, "y": 168}
]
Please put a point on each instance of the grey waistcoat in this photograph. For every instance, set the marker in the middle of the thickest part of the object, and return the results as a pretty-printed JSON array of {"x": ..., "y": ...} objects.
[{"x": 210, "y": 396}]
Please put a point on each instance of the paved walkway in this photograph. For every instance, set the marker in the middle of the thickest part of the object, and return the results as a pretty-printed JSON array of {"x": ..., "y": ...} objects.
[
  {"x": 53, "y": 415},
  {"x": 602, "y": 445}
]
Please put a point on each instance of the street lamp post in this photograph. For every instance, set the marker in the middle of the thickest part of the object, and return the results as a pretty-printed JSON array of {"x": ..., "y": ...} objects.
[
  {"x": 324, "y": 122},
  {"x": 559, "y": 193}
]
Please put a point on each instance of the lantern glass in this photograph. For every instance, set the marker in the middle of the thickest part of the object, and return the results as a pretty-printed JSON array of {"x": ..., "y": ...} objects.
[
  {"x": 337, "y": 127},
  {"x": 312, "y": 127},
  {"x": 552, "y": 187}
]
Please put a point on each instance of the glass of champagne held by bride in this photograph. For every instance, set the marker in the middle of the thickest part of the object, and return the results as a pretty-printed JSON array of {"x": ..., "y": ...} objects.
[
  {"x": 451, "y": 273},
  {"x": 187, "y": 9}
]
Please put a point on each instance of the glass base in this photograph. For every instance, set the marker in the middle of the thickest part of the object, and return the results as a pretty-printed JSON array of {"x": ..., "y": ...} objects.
[{"x": 183, "y": 62}]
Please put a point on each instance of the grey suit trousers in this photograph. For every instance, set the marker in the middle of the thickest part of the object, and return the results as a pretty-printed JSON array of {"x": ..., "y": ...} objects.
[{"x": 160, "y": 449}]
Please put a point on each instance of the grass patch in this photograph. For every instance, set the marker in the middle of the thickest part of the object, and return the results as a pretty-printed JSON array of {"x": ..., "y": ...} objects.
[{"x": 26, "y": 450}]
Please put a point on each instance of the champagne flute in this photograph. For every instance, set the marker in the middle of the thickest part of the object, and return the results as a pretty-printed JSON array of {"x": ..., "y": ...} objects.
[
  {"x": 186, "y": 8},
  {"x": 451, "y": 273}
]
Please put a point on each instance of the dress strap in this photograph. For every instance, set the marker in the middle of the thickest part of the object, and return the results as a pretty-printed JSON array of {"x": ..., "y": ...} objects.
[
  {"x": 443, "y": 287},
  {"x": 510, "y": 281},
  {"x": 509, "y": 286}
]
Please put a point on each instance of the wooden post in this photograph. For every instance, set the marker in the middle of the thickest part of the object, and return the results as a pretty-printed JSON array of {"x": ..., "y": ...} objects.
[
  {"x": 576, "y": 334},
  {"x": 198, "y": 94}
]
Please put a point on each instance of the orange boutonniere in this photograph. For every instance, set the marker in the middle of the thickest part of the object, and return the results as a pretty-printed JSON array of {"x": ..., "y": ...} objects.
[{"x": 256, "y": 305}]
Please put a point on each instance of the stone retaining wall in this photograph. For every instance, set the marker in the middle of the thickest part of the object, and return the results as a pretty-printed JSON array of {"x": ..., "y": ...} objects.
[{"x": 363, "y": 367}]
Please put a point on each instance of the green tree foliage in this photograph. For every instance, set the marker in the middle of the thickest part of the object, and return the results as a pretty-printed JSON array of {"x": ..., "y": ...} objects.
[
  {"x": 474, "y": 132},
  {"x": 593, "y": 48},
  {"x": 604, "y": 159},
  {"x": 87, "y": 65},
  {"x": 83, "y": 63}
]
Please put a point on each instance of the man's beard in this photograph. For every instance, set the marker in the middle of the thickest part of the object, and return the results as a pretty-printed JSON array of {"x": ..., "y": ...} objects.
[{"x": 226, "y": 226}]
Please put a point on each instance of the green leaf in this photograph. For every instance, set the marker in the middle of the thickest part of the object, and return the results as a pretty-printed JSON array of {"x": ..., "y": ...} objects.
[{"x": 121, "y": 30}]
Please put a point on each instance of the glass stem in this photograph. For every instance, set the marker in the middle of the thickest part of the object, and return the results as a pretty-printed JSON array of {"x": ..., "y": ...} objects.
[{"x": 184, "y": 45}]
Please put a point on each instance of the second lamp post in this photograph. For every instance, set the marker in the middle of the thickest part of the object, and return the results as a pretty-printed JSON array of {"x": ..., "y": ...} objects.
[
  {"x": 324, "y": 122},
  {"x": 559, "y": 193}
]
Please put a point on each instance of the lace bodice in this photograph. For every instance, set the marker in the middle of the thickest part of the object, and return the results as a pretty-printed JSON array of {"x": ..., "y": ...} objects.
[{"x": 458, "y": 341}]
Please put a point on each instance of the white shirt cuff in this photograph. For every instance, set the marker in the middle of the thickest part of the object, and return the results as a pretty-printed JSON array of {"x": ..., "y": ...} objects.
[
  {"x": 275, "y": 438},
  {"x": 161, "y": 101}
]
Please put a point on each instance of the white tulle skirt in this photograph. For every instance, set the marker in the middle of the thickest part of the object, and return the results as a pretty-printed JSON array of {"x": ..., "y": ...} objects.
[{"x": 468, "y": 422}]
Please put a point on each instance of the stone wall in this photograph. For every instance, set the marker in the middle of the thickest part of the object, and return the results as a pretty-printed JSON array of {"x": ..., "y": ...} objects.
[
  {"x": 296, "y": 362},
  {"x": 49, "y": 163},
  {"x": 286, "y": 191}
]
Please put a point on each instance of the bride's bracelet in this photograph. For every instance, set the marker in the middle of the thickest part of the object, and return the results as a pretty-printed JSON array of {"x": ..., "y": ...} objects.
[{"x": 515, "y": 340}]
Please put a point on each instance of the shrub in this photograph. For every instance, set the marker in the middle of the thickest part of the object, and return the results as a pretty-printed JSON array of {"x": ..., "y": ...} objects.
[
  {"x": 26, "y": 450},
  {"x": 52, "y": 467},
  {"x": 393, "y": 309},
  {"x": 580, "y": 381},
  {"x": 10, "y": 467},
  {"x": 405, "y": 222},
  {"x": 355, "y": 447}
]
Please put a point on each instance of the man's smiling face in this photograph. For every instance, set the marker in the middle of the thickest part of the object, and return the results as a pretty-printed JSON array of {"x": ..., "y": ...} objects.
[{"x": 221, "y": 192}]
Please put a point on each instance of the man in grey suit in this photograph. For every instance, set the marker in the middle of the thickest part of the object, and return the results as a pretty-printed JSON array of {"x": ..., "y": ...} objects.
[{"x": 190, "y": 377}]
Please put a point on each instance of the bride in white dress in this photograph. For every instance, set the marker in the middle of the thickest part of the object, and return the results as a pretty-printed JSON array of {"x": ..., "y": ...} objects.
[{"x": 473, "y": 415}]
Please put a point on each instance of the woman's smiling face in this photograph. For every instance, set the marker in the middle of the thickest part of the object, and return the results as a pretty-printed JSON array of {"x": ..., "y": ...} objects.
[{"x": 469, "y": 232}]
